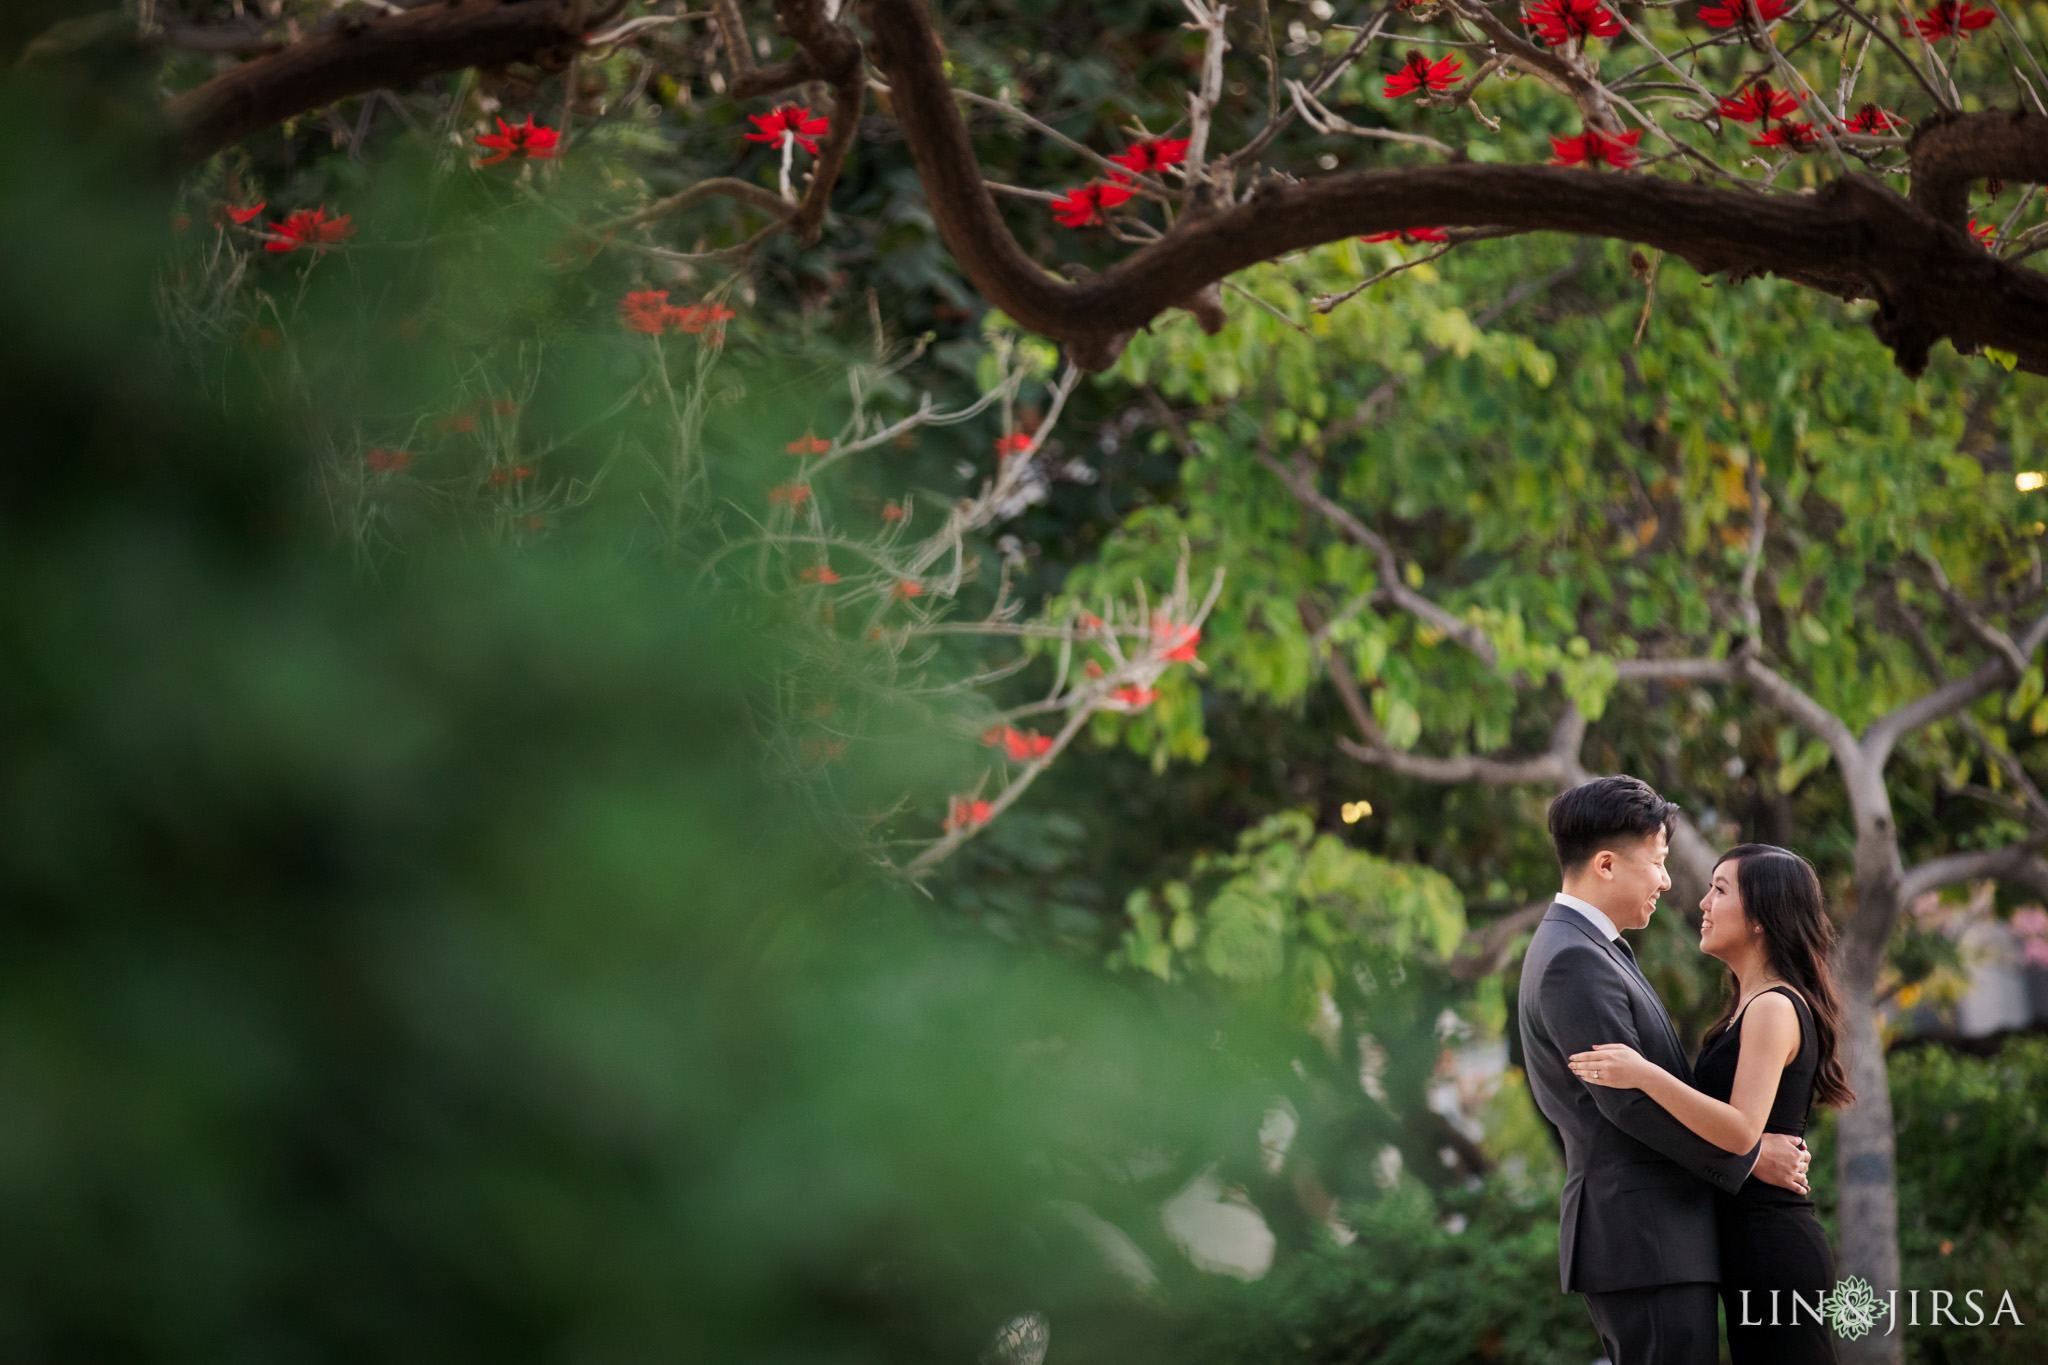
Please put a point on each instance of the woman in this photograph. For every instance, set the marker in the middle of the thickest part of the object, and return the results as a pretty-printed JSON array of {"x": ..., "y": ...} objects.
[{"x": 1765, "y": 1061}]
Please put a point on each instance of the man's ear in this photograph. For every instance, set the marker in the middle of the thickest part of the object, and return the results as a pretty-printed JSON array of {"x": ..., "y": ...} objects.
[{"x": 1603, "y": 864}]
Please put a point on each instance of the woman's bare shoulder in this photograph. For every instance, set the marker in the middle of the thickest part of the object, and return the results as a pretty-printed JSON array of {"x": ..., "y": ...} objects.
[{"x": 1771, "y": 1021}]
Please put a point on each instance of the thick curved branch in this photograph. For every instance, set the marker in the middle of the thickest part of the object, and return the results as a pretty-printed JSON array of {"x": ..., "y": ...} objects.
[
  {"x": 1483, "y": 952},
  {"x": 1557, "y": 766},
  {"x": 1784, "y": 695},
  {"x": 362, "y": 53},
  {"x": 239, "y": 41},
  {"x": 732, "y": 28},
  {"x": 1950, "y": 697},
  {"x": 1854, "y": 238},
  {"x": 1950, "y": 154},
  {"x": 1691, "y": 670},
  {"x": 2014, "y": 862}
]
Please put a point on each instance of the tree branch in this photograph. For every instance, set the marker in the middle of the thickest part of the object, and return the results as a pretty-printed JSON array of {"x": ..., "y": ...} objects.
[
  {"x": 2013, "y": 862},
  {"x": 362, "y": 53},
  {"x": 1557, "y": 766},
  {"x": 1950, "y": 697},
  {"x": 1950, "y": 154},
  {"x": 1391, "y": 589},
  {"x": 1999, "y": 642},
  {"x": 1485, "y": 951},
  {"x": 836, "y": 54},
  {"x": 752, "y": 195},
  {"x": 1854, "y": 238},
  {"x": 1692, "y": 670}
]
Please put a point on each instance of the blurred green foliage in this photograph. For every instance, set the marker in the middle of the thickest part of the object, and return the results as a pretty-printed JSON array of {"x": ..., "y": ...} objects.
[
  {"x": 428, "y": 966},
  {"x": 1291, "y": 902},
  {"x": 1456, "y": 1278},
  {"x": 1973, "y": 1192}
]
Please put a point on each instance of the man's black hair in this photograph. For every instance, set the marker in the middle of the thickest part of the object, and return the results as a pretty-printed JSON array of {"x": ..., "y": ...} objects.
[{"x": 1606, "y": 813}]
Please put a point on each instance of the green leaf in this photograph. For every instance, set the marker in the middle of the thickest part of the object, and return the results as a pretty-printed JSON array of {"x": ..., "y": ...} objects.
[
  {"x": 2024, "y": 694},
  {"x": 1802, "y": 764}
]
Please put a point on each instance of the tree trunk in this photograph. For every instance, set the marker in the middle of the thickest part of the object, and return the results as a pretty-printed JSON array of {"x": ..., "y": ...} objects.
[{"x": 1866, "y": 1148}]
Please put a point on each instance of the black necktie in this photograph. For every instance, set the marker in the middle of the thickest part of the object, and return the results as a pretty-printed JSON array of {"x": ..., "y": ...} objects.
[{"x": 1633, "y": 965}]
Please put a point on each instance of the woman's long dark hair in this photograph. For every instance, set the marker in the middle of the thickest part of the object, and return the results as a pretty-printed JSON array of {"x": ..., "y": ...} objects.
[{"x": 1781, "y": 895}]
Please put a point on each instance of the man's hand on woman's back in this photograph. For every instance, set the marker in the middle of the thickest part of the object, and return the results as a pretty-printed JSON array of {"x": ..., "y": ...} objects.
[{"x": 1782, "y": 1162}]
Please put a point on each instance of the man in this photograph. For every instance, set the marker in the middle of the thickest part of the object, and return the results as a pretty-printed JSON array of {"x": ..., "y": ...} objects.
[{"x": 1637, "y": 1234}]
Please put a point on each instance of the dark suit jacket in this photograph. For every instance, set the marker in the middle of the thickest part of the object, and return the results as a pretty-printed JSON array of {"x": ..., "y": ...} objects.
[{"x": 1639, "y": 1185}]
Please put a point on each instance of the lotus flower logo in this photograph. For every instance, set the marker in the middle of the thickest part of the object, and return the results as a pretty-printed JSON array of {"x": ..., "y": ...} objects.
[{"x": 1853, "y": 1307}]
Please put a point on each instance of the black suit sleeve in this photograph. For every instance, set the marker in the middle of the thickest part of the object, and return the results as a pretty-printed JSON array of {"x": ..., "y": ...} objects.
[{"x": 1585, "y": 1001}]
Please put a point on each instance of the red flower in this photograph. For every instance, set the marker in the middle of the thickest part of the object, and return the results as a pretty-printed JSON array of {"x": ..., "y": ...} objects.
[
  {"x": 1016, "y": 443},
  {"x": 965, "y": 813},
  {"x": 1135, "y": 697},
  {"x": 243, "y": 217},
  {"x": 1595, "y": 148},
  {"x": 1092, "y": 669},
  {"x": 310, "y": 227},
  {"x": 518, "y": 473},
  {"x": 792, "y": 122},
  {"x": 1081, "y": 207},
  {"x": 534, "y": 525},
  {"x": 819, "y": 574},
  {"x": 388, "y": 461},
  {"x": 808, "y": 445},
  {"x": 695, "y": 317},
  {"x": 1984, "y": 233},
  {"x": 456, "y": 423},
  {"x": 504, "y": 407},
  {"x": 1559, "y": 21},
  {"x": 519, "y": 139},
  {"x": 1760, "y": 101},
  {"x": 649, "y": 311},
  {"x": 1155, "y": 155},
  {"x": 1090, "y": 621},
  {"x": 1732, "y": 12},
  {"x": 907, "y": 587},
  {"x": 1435, "y": 234},
  {"x": 1871, "y": 119},
  {"x": 1022, "y": 745},
  {"x": 645, "y": 310},
  {"x": 1420, "y": 73},
  {"x": 1181, "y": 642},
  {"x": 1797, "y": 136},
  {"x": 892, "y": 511},
  {"x": 1947, "y": 17},
  {"x": 795, "y": 494}
]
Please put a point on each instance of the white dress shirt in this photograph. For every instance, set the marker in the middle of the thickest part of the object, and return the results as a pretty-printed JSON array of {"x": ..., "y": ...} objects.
[{"x": 1591, "y": 912}]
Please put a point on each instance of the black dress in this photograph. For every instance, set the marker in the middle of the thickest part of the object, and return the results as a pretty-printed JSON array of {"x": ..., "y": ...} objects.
[{"x": 1770, "y": 1239}]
